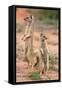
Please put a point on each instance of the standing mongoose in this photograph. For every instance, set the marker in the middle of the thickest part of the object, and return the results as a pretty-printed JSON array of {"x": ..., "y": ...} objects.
[
  {"x": 28, "y": 38},
  {"x": 45, "y": 56}
]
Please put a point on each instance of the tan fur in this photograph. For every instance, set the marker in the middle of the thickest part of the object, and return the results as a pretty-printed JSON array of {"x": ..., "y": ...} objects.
[
  {"x": 45, "y": 56},
  {"x": 28, "y": 38},
  {"x": 40, "y": 54}
]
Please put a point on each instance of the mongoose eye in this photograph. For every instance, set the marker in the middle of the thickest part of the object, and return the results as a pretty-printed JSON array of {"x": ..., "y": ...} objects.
[
  {"x": 45, "y": 37},
  {"x": 26, "y": 18}
]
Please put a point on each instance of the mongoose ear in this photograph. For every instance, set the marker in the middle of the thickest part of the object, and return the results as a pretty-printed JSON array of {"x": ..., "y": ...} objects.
[{"x": 31, "y": 16}]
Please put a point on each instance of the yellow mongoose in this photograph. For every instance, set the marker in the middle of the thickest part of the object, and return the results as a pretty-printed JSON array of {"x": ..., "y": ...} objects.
[
  {"x": 45, "y": 56},
  {"x": 28, "y": 38}
]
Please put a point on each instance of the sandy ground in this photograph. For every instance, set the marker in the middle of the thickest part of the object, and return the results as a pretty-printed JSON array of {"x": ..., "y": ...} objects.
[{"x": 22, "y": 67}]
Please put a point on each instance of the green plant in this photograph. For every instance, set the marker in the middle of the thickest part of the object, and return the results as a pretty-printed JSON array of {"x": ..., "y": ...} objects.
[{"x": 35, "y": 76}]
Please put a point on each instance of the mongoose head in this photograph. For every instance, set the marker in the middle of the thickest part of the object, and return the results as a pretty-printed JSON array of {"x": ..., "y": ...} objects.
[
  {"x": 43, "y": 37},
  {"x": 29, "y": 19}
]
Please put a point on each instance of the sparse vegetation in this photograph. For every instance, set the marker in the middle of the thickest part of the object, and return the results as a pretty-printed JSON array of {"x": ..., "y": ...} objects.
[
  {"x": 53, "y": 68},
  {"x": 53, "y": 59},
  {"x": 47, "y": 17},
  {"x": 19, "y": 27}
]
